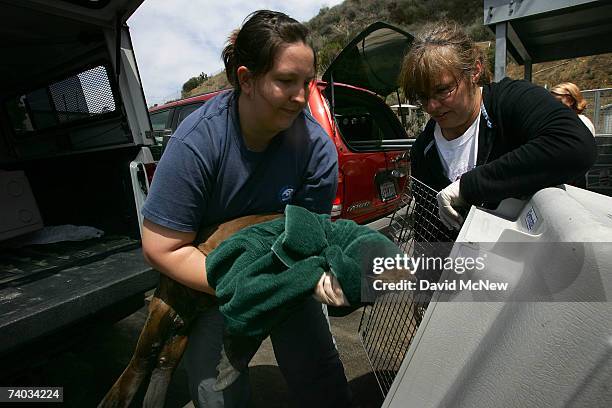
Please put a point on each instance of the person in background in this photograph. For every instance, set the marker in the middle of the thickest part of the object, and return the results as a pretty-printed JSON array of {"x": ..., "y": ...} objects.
[
  {"x": 485, "y": 141},
  {"x": 250, "y": 150},
  {"x": 569, "y": 94}
]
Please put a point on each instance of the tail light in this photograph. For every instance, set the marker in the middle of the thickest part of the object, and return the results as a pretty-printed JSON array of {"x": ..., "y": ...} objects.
[
  {"x": 338, "y": 201},
  {"x": 145, "y": 175},
  {"x": 150, "y": 169}
]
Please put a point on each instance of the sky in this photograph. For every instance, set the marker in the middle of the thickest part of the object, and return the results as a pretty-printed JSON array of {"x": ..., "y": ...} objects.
[{"x": 175, "y": 40}]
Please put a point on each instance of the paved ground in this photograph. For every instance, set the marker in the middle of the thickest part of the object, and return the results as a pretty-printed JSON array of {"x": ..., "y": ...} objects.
[{"x": 94, "y": 362}]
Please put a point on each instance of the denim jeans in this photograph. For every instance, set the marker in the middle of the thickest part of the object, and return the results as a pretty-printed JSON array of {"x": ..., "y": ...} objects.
[{"x": 304, "y": 350}]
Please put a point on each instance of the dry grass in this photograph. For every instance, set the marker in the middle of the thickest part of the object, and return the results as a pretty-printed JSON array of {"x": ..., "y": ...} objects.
[
  {"x": 587, "y": 72},
  {"x": 213, "y": 83}
]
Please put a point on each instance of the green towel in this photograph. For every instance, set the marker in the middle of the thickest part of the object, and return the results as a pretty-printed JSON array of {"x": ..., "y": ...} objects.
[{"x": 262, "y": 273}]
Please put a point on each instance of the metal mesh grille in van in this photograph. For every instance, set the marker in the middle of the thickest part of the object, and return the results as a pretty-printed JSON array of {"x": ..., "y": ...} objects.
[
  {"x": 82, "y": 96},
  {"x": 88, "y": 93}
]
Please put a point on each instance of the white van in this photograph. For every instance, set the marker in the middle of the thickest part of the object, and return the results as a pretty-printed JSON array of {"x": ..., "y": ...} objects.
[{"x": 74, "y": 132}]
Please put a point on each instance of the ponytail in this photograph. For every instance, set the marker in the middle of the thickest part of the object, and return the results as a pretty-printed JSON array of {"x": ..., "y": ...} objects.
[{"x": 229, "y": 59}]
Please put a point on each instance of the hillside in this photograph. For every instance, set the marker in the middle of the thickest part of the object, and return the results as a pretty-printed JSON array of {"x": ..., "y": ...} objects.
[
  {"x": 333, "y": 27},
  {"x": 586, "y": 72}
]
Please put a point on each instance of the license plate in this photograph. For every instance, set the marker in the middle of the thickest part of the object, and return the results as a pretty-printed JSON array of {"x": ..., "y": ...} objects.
[{"x": 387, "y": 190}]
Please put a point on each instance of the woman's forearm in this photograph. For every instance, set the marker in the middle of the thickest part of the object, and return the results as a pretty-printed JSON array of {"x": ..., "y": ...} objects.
[
  {"x": 186, "y": 265},
  {"x": 173, "y": 254}
]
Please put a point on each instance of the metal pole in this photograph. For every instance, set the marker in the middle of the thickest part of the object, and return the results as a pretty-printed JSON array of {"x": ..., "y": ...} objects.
[
  {"x": 400, "y": 109},
  {"x": 528, "y": 70},
  {"x": 596, "y": 110},
  {"x": 501, "y": 30}
]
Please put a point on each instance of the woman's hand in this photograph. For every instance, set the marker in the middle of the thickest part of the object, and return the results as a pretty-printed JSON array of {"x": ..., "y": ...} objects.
[
  {"x": 329, "y": 291},
  {"x": 449, "y": 202}
]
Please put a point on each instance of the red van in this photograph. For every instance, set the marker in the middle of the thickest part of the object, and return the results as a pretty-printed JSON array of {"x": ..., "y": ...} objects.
[{"x": 348, "y": 102}]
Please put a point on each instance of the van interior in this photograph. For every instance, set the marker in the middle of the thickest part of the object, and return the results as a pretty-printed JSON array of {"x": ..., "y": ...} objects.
[{"x": 63, "y": 124}]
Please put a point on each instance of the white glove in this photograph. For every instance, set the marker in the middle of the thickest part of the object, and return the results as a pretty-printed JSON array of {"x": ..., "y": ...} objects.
[
  {"x": 449, "y": 201},
  {"x": 329, "y": 291}
]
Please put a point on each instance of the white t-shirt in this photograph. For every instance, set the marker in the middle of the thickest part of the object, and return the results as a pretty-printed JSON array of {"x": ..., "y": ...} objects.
[
  {"x": 588, "y": 123},
  {"x": 459, "y": 155}
]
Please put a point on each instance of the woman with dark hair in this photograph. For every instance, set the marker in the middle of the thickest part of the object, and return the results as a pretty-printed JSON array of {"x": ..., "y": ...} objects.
[
  {"x": 485, "y": 141},
  {"x": 251, "y": 150}
]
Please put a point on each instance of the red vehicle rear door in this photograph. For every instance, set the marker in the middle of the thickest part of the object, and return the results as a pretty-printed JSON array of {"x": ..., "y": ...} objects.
[{"x": 372, "y": 144}]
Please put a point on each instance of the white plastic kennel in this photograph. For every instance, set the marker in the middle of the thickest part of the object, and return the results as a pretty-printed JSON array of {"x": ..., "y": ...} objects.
[{"x": 528, "y": 347}]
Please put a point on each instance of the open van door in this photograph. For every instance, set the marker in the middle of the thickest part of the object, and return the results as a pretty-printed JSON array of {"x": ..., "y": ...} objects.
[{"x": 73, "y": 118}]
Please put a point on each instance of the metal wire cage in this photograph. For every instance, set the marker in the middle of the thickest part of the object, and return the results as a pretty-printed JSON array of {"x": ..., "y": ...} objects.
[
  {"x": 388, "y": 327},
  {"x": 599, "y": 177}
]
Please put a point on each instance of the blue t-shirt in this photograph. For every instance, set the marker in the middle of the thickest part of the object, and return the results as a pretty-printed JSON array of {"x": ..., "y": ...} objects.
[{"x": 208, "y": 176}]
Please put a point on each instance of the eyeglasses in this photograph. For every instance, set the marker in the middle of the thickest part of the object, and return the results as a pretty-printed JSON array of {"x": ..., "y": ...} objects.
[{"x": 441, "y": 95}]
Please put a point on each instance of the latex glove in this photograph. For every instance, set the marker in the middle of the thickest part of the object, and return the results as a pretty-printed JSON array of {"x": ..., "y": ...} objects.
[
  {"x": 449, "y": 201},
  {"x": 329, "y": 291}
]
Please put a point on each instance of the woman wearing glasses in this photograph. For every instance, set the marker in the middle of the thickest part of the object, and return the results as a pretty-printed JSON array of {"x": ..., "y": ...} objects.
[{"x": 485, "y": 141}]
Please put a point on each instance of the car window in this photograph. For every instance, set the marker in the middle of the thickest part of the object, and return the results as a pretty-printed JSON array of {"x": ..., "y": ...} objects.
[
  {"x": 159, "y": 119},
  {"x": 186, "y": 110}
]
